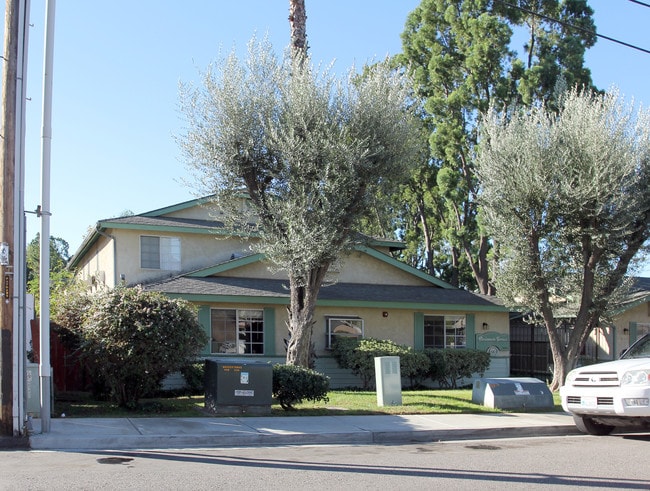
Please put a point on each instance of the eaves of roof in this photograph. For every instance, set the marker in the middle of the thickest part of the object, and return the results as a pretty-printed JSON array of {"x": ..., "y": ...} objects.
[
  {"x": 178, "y": 207},
  {"x": 276, "y": 292}
]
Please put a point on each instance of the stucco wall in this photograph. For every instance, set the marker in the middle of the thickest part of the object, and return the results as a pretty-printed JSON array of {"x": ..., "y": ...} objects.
[
  {"x": 397, "y": 325},
  {"x": 98, "y": 270},
  {"x": 197, "y": 251},
  {"x": 628, "y": 326}
]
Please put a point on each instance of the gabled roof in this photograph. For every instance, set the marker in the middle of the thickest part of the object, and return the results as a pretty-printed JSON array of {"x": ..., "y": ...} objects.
[
  {"x": 243, "y": 261},
  {"x": 639, "y": 294},
  {"x": 178, "y": 207},
  {"x": 153, "y": 221},
  {"x": 158, "y": 221},
  {"x": 273, "y": 292},
  {"x": 207, "y": 285}
]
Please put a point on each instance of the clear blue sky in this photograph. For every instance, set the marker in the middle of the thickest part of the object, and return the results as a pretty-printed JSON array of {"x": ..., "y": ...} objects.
[{"x": 117, "y": 66}]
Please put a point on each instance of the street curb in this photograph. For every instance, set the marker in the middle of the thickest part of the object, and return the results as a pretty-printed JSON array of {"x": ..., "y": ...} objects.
[
  {"x": 14, "y": 443},
  {"x": 125, "y": 442}
]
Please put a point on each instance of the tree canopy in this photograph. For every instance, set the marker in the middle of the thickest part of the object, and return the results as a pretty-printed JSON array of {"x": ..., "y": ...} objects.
[
  {"x": 568, "y": 192},
  {"x": 462, "y": 58},
  {"x": 308, "y": 152},
  {"x": 60, "y": 277}
]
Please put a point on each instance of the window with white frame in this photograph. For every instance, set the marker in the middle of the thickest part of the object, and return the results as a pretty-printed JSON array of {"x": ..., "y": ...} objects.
[
  {"x": 160, "y": 253},
  {"x": 349, "y": 327},
  {"x": 444, "y": 331},
  {"x": 237, "y": 331}
]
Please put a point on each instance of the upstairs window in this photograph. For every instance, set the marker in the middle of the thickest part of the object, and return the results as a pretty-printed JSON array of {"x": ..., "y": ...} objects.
[
  {"x": 160, "y": 253},
  {"x": 444, "y": 331},
  {"x": 349, "y": 327}
]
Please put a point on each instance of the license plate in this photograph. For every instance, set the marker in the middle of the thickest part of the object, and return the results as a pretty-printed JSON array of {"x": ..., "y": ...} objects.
[{"x": 588, "y": 402}]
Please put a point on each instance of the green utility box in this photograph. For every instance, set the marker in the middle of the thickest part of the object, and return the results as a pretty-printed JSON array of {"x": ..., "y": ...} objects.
[{"x": 238, "y": 386}]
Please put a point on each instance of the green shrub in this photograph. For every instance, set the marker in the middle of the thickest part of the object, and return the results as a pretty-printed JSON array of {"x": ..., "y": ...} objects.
[
  {"x": 293, "y": 384},
  {"x": 359, "y": 356},
  {"x": 133, "y": 338},
  {"x": 194, "y": 374},
  {"x": 414, "y": 365},
  {"x": 342, "y": 349},
  {"x": 449, "y": 366}
]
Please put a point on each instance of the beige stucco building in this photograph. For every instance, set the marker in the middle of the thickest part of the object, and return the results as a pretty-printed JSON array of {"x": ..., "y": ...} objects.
[
  {"x": 183, "y": 251},
  {"x": 629, "y": 323}
]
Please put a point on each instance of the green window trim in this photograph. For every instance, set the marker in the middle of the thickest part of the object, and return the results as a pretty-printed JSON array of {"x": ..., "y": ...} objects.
[
  {"x": 633, "y": 332},
  {"x": 269, "y": 331},
  {"x": 418, "y": 331},
  {"x": 204, "y": 321},
  {"x": 470, "y": 331}
]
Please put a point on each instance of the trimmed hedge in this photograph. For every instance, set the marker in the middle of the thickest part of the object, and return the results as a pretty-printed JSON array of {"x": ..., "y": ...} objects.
[
  {"x": 359, "y": 356},
  {"x": 445, "y": 366},
  {"x": 293, "y": 384},
  {"x": 449, "y": 366}
]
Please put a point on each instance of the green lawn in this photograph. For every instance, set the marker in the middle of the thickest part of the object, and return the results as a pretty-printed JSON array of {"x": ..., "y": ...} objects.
[{"x": 81, "y": 405}]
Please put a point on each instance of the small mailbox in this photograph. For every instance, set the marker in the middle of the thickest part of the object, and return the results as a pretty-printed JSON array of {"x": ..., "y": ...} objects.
[
  {"x": 512, "y": 393},
  {"x": 238, "y": 386}
]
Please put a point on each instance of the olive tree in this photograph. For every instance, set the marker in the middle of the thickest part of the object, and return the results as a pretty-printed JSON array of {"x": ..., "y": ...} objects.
[
  {"x": 567, "y": 194},
  {"x": 308, "y": 150}
]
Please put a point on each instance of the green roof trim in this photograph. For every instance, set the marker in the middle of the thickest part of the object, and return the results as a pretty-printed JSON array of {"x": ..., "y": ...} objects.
[
  {"x": 177, "y": 207},
  {"x": 87, "y": 243},
  {"x": 631, "y": 305},
  {"x": 106, "y": 224},
  {"x": 198, "y": 298}
]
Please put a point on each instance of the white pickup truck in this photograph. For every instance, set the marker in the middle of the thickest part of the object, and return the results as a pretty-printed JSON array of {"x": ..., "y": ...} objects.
[{"x": 606, "y": 395}]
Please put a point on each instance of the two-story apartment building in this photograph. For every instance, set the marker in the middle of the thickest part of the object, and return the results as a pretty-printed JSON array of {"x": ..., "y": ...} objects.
[{"x": 184, "y": 251}]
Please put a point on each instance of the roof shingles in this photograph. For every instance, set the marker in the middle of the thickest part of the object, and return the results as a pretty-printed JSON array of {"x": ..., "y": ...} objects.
[{"x": 357, "y": 292}]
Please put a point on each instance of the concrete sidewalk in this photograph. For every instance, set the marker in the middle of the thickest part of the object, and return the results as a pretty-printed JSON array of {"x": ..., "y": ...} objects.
[{"x": 140, "y": 433}]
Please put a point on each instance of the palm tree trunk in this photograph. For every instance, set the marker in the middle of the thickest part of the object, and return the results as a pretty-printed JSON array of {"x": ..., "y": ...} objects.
[{"x": 298, "y": 24}]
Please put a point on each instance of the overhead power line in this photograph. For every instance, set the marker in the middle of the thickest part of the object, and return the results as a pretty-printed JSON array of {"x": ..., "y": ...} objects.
[
  {"x": 640, "y": 3},
  {"x": 577, "y": 28}
]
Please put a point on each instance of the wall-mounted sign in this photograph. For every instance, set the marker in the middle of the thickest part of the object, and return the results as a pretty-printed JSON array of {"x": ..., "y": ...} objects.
[
  {"x": 4, "y": 254},
  {"x": 495, "y": 343}
]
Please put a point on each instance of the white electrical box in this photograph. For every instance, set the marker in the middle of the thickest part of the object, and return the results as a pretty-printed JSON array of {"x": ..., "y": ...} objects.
[{"x": 389, "y": 381}]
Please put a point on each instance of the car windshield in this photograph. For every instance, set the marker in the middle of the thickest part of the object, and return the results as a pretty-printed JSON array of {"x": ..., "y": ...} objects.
[{"x": 639, "y": 350}]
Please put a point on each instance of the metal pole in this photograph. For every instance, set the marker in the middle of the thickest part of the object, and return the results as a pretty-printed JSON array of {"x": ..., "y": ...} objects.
[
  {"x": 45, "y": 368},
  {"x": 20, "y": 266}
]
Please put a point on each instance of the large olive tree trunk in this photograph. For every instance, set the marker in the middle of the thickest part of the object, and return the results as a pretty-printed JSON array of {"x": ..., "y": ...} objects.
[{"x": 304, "y": 292}]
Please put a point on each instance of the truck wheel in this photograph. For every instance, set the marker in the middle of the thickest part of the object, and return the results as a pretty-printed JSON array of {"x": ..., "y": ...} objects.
[{"x": 587, "y": 425}]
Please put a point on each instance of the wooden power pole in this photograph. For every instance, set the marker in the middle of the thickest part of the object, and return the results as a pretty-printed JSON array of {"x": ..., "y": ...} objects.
[{"x": 7, "y": 182}]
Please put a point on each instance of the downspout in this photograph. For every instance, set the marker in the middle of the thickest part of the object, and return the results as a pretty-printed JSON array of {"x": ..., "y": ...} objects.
[{"x": 111, "y": 237}]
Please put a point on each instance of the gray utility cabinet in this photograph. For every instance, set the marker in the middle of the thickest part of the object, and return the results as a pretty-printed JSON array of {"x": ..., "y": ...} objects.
[
  {"x": 389, "y": 381},
  {"x": 235, "y": 386},
  {"x": 512, "y": 393}
]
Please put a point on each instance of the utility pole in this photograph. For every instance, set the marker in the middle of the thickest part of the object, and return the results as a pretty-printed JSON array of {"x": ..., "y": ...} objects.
[
  {"x": 7, "y": 183},
  {"x": 45, "y": 368}
]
